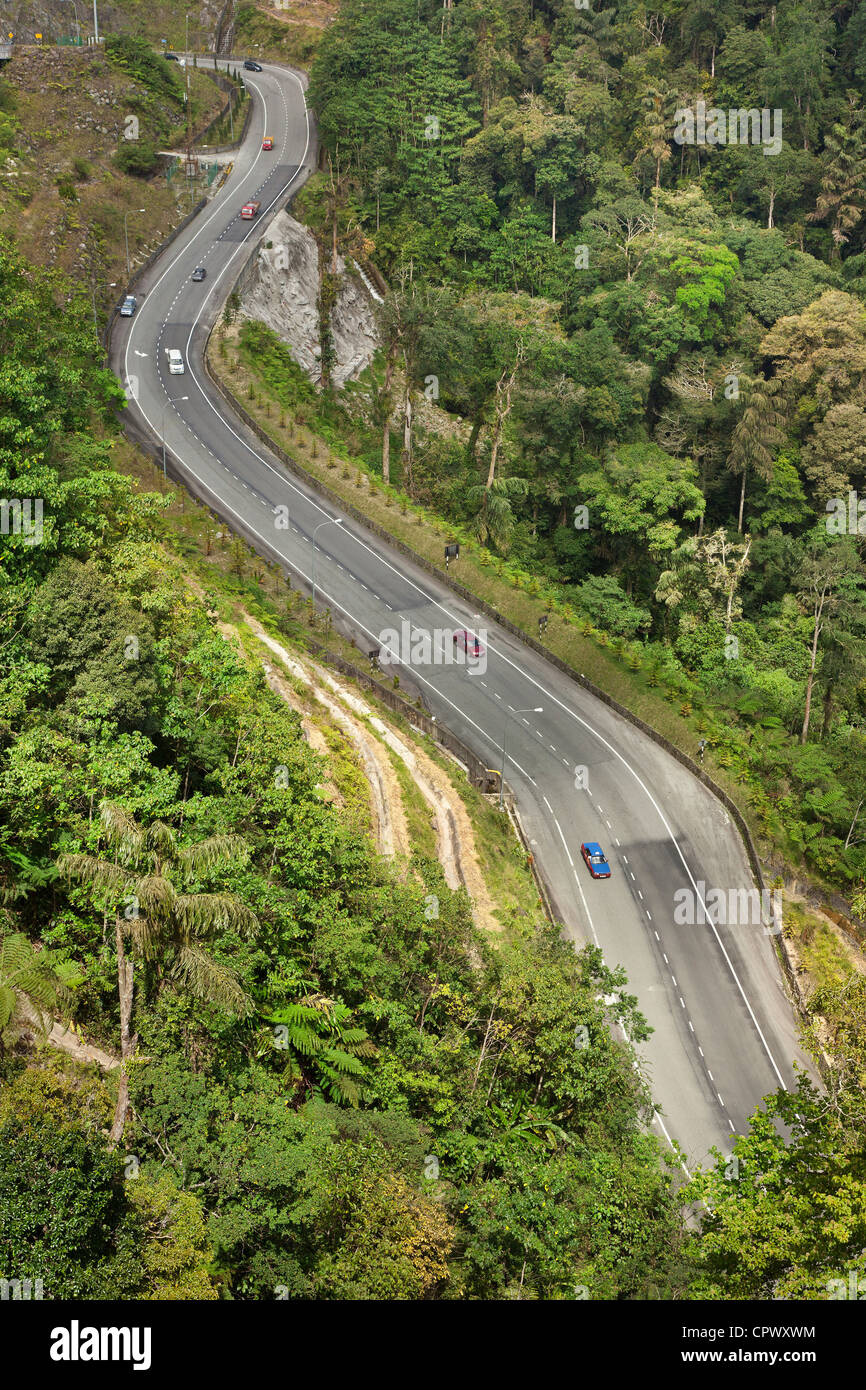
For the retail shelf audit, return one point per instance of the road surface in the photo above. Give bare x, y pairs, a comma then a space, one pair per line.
725, 1033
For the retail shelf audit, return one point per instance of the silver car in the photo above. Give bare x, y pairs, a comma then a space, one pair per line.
128, 307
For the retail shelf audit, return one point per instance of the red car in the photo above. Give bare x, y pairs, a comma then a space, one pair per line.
250, 209
268, 142
468, 642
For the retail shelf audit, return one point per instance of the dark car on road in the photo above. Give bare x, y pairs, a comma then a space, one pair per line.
128, 307
251, 66
172, 57
595, 860
199, 273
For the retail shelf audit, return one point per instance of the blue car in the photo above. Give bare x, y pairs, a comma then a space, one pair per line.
593, 855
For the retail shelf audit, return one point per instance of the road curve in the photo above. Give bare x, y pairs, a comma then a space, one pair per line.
724, 1034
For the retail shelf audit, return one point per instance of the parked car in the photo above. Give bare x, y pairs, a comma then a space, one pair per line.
593, 855
250, 209
199, 273
468, 642
175, 361
172, 57
268, 142
251, 66
128, 307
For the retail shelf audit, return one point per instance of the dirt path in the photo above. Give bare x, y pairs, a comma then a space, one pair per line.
390, 830
68, 1040
455, 837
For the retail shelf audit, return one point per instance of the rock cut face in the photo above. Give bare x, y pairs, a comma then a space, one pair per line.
281, 289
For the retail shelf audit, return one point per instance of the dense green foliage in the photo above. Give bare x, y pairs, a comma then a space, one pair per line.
68, 1218
670, 335
157, 101
332, 1092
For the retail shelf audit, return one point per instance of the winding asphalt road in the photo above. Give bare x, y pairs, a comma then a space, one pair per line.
724, 1030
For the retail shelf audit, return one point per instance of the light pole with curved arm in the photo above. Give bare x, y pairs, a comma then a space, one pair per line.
126, 234
171, 401
332, 521
77, 22
537, 709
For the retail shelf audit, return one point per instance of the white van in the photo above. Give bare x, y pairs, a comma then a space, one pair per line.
175, 361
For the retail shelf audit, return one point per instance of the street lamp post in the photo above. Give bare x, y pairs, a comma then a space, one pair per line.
172, 400
95, 25
537, 709
77, 23
126, 234
332, 521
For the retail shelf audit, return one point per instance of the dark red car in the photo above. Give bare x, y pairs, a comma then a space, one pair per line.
468, 642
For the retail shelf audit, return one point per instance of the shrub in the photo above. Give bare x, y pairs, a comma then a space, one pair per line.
137, 157
136, 57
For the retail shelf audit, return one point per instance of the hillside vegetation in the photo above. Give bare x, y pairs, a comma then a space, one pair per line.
652, 353
68, 174
329, 1087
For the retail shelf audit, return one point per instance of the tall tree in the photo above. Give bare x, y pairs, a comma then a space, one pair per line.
756, 434
138, 885
830, 593
842, 198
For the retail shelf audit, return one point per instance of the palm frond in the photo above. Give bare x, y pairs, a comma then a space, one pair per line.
8, 1001
161, 840
35, 976
146, 934
340, 1087
97, 874
210, 980
342, 1062
210, 853
16, 956
202, 914
156, 898
121, 830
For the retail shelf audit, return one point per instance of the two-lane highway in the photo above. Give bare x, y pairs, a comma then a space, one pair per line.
724, 1030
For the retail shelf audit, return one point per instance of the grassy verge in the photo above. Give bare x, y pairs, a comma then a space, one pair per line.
419, 816
822, 952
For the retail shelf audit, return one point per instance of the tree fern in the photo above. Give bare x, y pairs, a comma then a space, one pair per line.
321, 1046
34, 978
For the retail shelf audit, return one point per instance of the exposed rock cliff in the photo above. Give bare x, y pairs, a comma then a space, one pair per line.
281, 288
